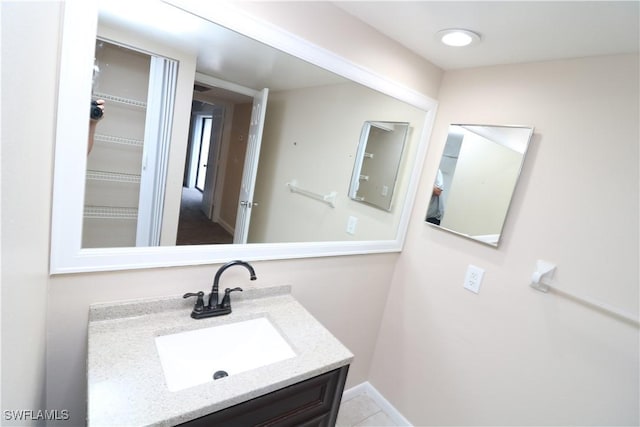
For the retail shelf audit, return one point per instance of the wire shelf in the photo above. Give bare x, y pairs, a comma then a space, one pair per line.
119, 99
112, 177
118, 140
109, 212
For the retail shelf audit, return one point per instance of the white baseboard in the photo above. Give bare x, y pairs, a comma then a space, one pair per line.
228, 228
369, 390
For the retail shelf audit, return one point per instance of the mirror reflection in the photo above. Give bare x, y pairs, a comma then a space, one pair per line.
476, 179
127, 147
377, 163
259, 120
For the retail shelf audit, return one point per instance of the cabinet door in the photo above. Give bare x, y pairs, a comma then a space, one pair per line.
311, 403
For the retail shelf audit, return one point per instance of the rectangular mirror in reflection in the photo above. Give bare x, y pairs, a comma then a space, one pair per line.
475, 182
378, 162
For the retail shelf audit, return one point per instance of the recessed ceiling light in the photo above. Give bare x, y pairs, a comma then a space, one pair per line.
458, 37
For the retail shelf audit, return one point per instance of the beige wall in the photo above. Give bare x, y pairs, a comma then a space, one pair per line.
36, 307
511, 355
28, 127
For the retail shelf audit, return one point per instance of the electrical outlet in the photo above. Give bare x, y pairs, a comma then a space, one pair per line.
351, 225
385, 190
473, 279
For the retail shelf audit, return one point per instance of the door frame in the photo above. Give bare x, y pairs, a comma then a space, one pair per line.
250, 167
233, 87
202, 128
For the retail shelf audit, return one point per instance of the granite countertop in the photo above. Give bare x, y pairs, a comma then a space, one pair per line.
125, 380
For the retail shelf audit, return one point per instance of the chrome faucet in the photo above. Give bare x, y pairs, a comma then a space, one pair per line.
201, 310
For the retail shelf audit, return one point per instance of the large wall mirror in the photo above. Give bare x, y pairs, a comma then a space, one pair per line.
209, 118
475, 182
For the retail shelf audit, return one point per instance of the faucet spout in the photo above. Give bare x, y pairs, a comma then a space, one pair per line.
213, 298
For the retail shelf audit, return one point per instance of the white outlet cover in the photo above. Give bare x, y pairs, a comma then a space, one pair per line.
473, 278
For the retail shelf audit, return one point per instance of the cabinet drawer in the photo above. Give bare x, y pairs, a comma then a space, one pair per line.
310, 403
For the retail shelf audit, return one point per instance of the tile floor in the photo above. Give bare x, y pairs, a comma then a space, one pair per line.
362, 411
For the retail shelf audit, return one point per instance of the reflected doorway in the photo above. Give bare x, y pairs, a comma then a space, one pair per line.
194, 228
214, 166
197, 224
203, 156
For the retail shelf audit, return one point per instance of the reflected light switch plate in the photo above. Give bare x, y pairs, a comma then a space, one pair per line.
351, 225
473, 278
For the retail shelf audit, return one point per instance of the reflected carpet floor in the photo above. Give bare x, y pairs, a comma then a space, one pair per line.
194, 228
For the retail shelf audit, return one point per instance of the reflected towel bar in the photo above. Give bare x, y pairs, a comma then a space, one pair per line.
329, 199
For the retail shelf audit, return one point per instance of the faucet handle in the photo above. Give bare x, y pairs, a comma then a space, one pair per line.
226, 300
199, 307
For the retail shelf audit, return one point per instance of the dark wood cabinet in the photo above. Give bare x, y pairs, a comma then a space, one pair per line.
311, 403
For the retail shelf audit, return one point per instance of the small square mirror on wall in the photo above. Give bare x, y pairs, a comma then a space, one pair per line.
476, 180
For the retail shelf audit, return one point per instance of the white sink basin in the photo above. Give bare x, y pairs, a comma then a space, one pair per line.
191, 358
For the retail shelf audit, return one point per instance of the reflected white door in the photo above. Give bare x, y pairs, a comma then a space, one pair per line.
163, 78
245, 202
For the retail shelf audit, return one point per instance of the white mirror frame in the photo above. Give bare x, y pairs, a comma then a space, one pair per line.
78, 45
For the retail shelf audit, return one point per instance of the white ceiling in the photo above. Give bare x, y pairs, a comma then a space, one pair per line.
511, 31
220, 52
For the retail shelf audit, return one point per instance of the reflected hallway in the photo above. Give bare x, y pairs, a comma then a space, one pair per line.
194, 228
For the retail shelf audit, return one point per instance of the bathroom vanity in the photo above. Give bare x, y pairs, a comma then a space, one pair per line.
279, 365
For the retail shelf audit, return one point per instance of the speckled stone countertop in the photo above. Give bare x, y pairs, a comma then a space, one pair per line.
125, 380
